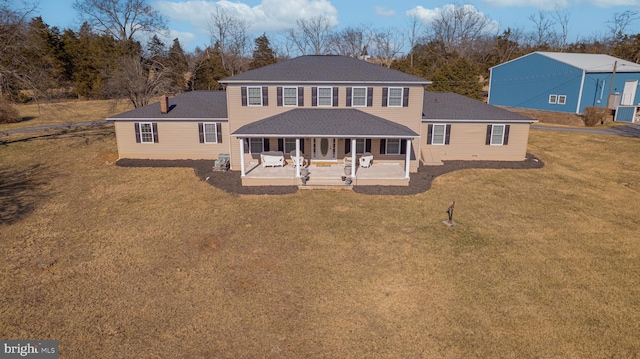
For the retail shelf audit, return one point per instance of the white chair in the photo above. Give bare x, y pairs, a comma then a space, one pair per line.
272, 159
297, 161
347, 159
365, 160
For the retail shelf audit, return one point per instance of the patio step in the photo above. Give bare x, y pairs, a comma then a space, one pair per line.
331, 187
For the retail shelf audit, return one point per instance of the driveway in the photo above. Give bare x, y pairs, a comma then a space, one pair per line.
631, 130
51, 127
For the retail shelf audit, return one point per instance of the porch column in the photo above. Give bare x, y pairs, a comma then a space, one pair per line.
353, 158
241, 156
407, 161
297, 156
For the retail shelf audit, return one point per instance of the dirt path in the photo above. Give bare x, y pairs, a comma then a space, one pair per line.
51, 127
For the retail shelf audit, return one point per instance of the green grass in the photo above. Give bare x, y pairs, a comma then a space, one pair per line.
153, 262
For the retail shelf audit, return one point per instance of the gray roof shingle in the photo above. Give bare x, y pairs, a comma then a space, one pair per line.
451, 106
324, 69
188, 105
325, 123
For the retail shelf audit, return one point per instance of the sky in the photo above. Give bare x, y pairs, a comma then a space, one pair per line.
188, 19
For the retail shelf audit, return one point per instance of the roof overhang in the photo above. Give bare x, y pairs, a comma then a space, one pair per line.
444, 120
160, 119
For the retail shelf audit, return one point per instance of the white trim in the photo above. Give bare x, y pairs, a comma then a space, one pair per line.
353, 158
242, 173
249, 96
476, 121
444, 134
407, 159
563, 101
215, 132
297, 156
153, 140
386, 146
584, 72
353, 91
502, 136
489, 89
330, 96
389, 96
284, 97
555, 99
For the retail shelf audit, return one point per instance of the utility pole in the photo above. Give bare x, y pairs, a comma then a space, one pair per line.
613, 76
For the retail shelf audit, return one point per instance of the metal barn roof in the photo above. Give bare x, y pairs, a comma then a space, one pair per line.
588, 62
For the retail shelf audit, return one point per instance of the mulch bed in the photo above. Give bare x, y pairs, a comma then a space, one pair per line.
230, 182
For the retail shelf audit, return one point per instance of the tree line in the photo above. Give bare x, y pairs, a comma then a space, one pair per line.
106, 59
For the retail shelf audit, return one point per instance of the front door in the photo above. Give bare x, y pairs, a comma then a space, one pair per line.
629, 93
324, 149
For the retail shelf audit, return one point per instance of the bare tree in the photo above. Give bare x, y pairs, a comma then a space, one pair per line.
351, 41
229, 32
414, 29
139, 80
543, 34
561, 18
620, 21
458, 27
311, 36
388, 45
121, 19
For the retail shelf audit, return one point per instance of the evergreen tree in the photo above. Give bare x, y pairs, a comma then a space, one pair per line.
156, 49
178, 65
263, 55
460, 77
208, 70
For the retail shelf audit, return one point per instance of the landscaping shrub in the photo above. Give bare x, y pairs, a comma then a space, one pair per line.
8, 113
595, 115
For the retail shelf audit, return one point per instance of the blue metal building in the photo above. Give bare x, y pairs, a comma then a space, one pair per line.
564, 82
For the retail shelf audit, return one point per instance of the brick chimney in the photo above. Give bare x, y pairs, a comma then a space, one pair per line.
164, 104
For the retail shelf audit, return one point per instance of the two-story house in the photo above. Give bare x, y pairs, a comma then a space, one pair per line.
331, 110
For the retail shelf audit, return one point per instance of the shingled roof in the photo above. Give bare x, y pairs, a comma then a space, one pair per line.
324, 69
449, 106
325, 123
188, 105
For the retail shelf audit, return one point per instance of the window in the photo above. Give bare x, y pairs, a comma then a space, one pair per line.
325, 95
393, 146
439, 134
562, 99
395, 97
209, 132
289, 145
360, 146
553, 99
497, 134
146, 132
255, 96
255, 145
290, 96
359, 97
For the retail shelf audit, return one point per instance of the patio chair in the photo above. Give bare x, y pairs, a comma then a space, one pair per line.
347, 159
297, 161
365, 160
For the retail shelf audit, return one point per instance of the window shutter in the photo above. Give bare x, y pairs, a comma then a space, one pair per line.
429, 134
137, 129
405, 97
246, 145
347, 145
265, 96
367, 145
369, 96
506, 135
403, 147
201, 132
280, 144
265, 144
349, 89
335, 97
385, 95
302, 145
243, 93
219, 132
488, 139
447, 136
155, 132
383, 146
314, 96
279, 95
300, 96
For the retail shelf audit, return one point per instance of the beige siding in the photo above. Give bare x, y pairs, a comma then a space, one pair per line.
410, 116
177, 140
467, 142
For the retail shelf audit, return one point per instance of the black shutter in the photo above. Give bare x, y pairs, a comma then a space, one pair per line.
302, 145
201, 132
385, 96
246, 146
219, 132
369, 96
367, 145
349, 89
265, 144
335, 97
300, 96
279, 90
280, 144
265, 96
347, 145
137, 129
447, 137
383, 146
243, 93
405, 97
506, 135
314, 96
403, 147
488, 138
155, 132
429, 134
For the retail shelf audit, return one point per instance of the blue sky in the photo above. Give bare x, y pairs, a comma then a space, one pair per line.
188, 18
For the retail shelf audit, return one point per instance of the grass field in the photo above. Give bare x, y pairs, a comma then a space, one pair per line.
154, 263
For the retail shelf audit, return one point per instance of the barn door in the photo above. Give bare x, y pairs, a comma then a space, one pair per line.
629, 93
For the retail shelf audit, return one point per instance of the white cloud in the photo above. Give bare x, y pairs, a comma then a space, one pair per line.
428, 15
550, 5
269, 15
383, 11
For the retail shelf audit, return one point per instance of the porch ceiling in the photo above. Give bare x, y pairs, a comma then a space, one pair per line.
348, 123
